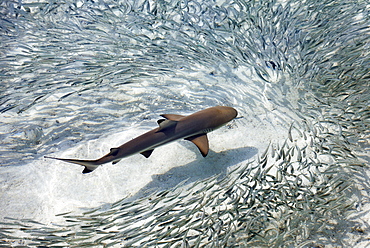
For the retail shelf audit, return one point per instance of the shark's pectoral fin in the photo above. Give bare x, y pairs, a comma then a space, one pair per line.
147, 153
165, 124
173, 117
201, 141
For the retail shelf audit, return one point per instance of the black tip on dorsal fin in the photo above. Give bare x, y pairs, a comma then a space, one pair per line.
160, 121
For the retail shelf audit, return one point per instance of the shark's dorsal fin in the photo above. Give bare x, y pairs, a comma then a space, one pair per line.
201, 141
164, 124
147, 153
173, 117
160, 121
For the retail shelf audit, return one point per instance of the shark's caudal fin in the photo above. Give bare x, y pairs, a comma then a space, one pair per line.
89, 165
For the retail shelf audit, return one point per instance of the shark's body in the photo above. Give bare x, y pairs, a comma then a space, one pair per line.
174, 127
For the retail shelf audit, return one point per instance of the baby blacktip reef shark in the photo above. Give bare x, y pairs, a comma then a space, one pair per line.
174, 127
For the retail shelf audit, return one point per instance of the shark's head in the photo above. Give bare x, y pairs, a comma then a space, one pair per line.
216, 117
226, 114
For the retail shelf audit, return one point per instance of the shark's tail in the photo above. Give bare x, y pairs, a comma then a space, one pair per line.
89, 165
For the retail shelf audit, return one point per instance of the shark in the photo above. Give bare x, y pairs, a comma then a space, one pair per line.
172, 127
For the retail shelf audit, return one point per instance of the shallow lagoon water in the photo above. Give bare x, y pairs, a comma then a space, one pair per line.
81, 77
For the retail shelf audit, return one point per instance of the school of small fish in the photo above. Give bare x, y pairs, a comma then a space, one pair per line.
296, 193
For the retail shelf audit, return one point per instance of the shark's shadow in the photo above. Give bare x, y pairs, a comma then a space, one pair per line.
201, 168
